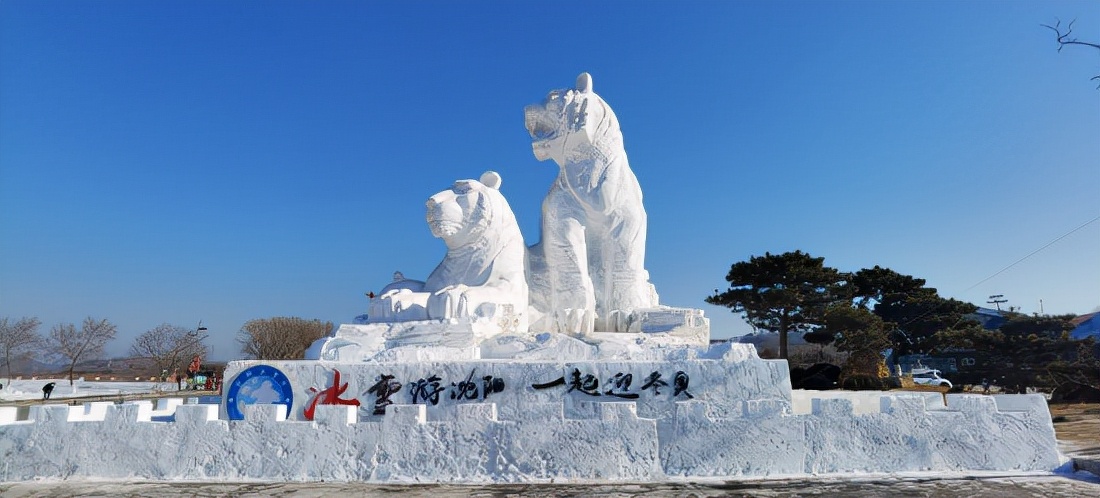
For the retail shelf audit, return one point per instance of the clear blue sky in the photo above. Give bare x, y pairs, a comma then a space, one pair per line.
223, 161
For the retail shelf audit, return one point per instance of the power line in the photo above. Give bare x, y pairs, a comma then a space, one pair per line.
1002, 270
1032, 253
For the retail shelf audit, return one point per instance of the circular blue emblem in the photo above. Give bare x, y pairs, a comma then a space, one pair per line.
258, 385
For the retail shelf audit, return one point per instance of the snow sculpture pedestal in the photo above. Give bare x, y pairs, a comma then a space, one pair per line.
729, 416
555, 407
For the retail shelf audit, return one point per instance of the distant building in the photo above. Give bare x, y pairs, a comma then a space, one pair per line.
1086, 326
990, 319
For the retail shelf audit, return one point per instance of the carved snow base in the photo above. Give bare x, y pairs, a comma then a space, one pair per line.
556, 436
661, 326
651, 333
422, 340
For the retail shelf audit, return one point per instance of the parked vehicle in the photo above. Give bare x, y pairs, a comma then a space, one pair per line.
930, 377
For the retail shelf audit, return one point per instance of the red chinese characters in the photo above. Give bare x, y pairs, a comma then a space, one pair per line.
329, 396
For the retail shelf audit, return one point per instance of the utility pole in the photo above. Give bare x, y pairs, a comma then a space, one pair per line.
997, 299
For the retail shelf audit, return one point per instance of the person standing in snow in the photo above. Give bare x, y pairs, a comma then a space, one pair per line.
47, 390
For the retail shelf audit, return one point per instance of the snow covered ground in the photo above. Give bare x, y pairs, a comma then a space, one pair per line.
32, 389
928, 484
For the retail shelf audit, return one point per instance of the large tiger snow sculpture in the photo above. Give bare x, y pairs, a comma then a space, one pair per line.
587, 273
481, 276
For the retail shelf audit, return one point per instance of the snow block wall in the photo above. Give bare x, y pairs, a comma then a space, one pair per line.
738, 421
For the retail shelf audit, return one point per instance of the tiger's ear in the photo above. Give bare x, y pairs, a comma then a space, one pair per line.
491, 179
584, 83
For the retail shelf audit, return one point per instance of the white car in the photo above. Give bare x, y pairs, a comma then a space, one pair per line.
930, 377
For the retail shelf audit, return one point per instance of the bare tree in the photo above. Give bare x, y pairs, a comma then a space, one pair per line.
19, 338
1067, 38
280, 338
170, 347
88, 342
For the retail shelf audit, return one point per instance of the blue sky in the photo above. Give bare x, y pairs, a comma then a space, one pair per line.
223, 161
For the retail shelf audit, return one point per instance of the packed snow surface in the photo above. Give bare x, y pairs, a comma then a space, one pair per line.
24, 389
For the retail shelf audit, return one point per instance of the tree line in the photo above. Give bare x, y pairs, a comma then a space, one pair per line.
170, 348
873, 310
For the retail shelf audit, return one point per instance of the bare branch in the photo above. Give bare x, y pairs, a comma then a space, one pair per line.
170, 347
88, 342
1064, 39
17, 339
1067, 38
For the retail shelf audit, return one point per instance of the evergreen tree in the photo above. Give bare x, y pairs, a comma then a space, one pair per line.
782, 293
